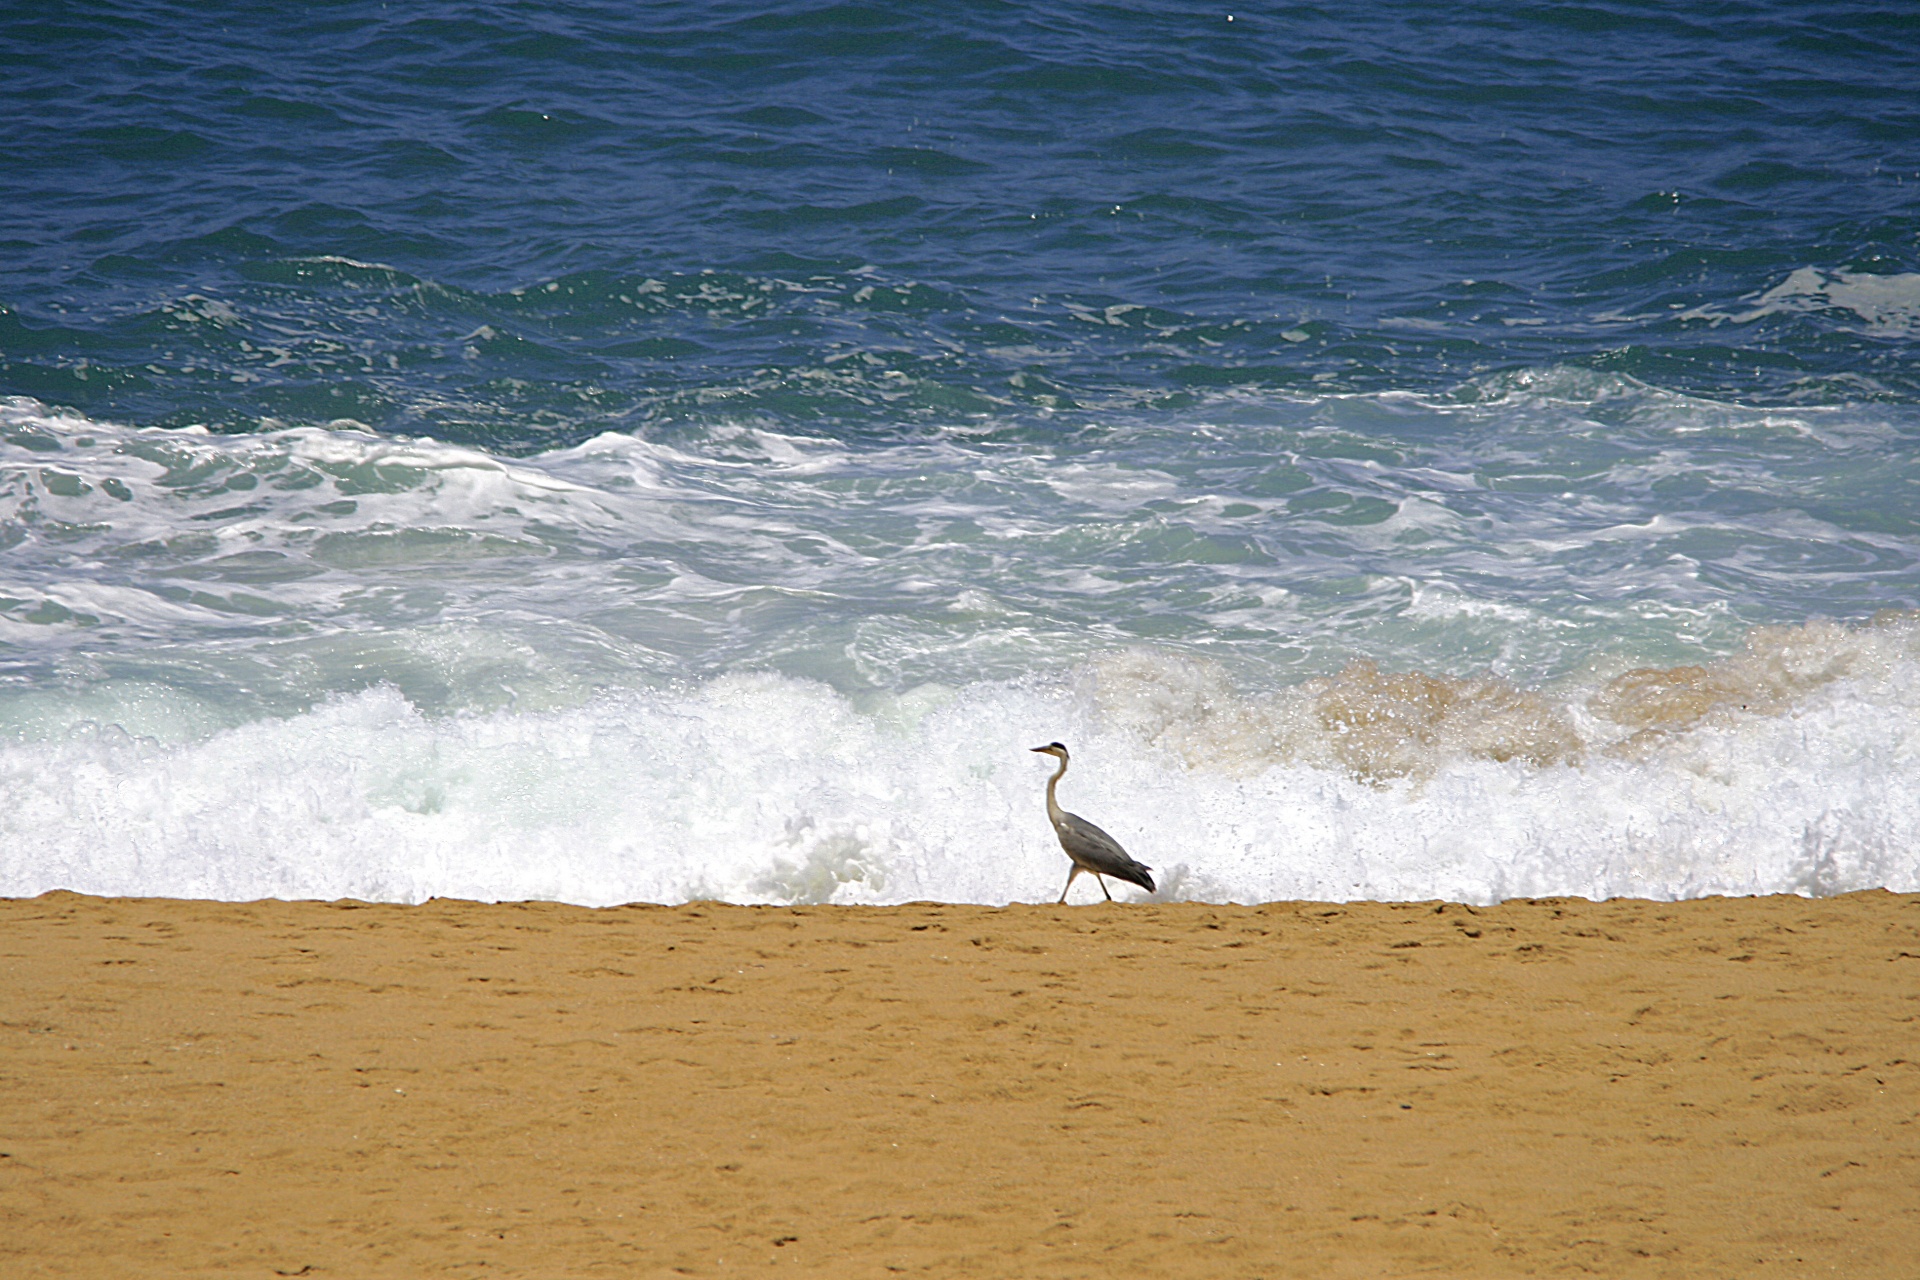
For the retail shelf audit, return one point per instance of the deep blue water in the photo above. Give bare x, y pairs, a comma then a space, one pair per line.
520, 224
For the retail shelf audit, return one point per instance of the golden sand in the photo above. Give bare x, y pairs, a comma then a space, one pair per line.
1720, 1088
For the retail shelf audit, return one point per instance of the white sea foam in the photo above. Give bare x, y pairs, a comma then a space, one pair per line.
1300, 657
1889, 304
1535, 506
1885, 305
770, 789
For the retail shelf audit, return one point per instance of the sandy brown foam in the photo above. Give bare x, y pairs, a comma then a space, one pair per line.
1379, 726
1713, 1088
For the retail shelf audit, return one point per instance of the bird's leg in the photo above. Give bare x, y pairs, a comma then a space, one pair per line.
1103, 885
1063, 893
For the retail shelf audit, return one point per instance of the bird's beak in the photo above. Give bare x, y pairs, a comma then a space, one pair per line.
1042, 750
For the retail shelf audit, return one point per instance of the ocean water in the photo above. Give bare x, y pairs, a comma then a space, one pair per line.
608, 453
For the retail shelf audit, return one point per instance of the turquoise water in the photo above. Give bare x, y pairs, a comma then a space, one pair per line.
613, 452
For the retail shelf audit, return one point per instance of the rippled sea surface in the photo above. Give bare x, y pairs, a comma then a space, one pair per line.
609, 452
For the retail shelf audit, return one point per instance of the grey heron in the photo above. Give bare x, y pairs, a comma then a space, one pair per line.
1090, 848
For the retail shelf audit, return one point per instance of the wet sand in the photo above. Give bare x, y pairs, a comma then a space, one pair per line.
1720, 1088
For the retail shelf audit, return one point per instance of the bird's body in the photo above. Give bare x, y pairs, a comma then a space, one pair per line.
1090, 848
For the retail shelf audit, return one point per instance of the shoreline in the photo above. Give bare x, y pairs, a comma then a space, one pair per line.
1711, 1086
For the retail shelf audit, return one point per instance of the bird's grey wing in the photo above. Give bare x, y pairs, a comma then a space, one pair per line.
1097, 851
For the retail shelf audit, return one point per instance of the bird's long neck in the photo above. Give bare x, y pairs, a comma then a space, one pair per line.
1054, 811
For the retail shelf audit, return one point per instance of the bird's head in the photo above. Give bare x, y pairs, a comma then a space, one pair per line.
1058, 750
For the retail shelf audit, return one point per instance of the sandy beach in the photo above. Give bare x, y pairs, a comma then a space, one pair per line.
1723, 1087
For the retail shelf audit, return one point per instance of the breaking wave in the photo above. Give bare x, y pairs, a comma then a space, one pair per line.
1790, 767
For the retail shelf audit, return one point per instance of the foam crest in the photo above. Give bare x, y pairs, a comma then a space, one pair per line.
1370, 724
770, 789
1776, 668
1378, 726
